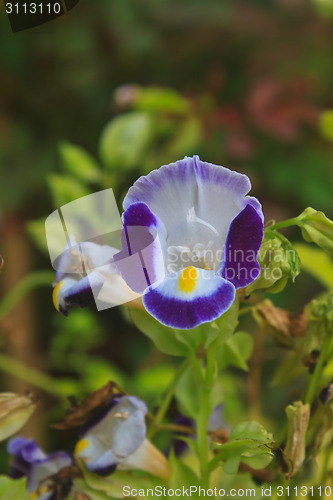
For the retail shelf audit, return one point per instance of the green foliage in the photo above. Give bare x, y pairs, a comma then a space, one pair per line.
65, 189
79, 163
249, 443
236, 351
326, 119
317, 263
12, 489
125, 140
182, 474
160, 100
278, 261
163, 337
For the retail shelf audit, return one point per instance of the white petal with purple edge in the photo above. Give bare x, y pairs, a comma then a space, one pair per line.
215, 193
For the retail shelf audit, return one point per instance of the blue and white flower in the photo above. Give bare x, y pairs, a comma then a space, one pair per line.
86, 271
190, 239
39, 468
208, 232
118, 440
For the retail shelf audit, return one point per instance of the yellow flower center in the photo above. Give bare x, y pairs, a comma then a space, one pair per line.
187, 279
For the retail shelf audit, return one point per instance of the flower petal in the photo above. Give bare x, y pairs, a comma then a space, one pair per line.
40, 471
215, 192
141, 260
149, 459
188, 298
79, 258
118, 434
243, 242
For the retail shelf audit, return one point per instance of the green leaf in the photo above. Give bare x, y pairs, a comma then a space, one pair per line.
65, 189
236, 351
248, 441
13, 489
125, 139
227, 323
181, 474
81, 487
159, 99
326, 119
163, 337
187, 393
112, 486
79, 163
186, 140
317, 263
152, 381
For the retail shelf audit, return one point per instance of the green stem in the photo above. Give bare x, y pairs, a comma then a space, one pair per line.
202, 436
167, 398
286, 223
202, 421
28, 283
324, 354
196, 367
31, 376
173, 428
326, 464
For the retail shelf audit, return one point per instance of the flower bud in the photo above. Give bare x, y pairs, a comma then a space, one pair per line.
278, 261
298, 419
15, 410
317, 228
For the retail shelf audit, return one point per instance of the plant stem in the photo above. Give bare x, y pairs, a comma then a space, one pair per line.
167, 399
326, 464
324, 354
202, 435
173, 428
31, 376
202, 421
29, 282
286, 223
196, 366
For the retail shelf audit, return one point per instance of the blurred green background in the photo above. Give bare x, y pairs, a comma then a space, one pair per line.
241, 83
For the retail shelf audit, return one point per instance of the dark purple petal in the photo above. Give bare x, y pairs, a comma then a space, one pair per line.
243, 242
140, 260
180, 313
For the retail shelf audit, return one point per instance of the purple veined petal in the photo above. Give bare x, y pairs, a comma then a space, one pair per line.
141, 259
188, 298
243, 242
215, 193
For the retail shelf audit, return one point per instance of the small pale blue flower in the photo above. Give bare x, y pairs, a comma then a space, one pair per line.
39, 468
118, 440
